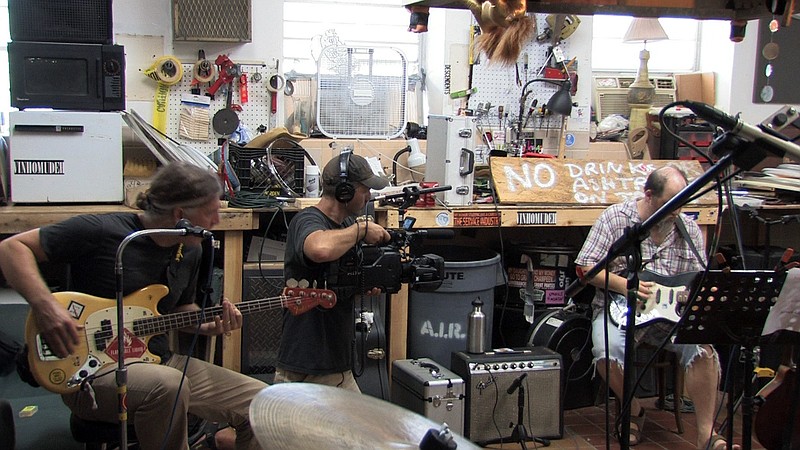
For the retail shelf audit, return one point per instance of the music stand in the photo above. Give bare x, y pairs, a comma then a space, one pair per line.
731, 307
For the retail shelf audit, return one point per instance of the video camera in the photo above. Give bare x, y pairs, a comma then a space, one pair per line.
387, 267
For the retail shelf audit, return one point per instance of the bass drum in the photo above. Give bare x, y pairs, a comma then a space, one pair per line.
569, 334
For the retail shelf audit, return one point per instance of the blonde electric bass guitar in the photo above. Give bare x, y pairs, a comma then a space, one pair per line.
98, 317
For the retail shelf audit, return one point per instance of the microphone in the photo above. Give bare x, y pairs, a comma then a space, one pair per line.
191, 230
516, 383
760, 135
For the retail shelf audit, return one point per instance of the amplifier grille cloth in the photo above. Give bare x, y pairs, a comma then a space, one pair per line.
542, 415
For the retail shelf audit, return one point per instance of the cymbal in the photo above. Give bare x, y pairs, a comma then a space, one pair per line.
305, 415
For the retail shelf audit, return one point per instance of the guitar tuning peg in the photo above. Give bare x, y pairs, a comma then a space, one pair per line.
315, 284
291, 283
303, 283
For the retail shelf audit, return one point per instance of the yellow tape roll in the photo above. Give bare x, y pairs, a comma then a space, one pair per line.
166, 69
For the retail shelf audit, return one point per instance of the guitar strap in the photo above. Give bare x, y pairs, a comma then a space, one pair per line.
685, 235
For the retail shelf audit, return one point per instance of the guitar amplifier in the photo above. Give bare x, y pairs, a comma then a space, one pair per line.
489, 377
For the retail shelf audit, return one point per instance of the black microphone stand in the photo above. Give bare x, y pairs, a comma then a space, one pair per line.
520, 433
122, 371
733, 149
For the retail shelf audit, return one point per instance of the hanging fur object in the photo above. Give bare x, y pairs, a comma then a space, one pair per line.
505, 28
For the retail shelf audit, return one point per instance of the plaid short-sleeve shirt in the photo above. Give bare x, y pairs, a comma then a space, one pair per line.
671, 257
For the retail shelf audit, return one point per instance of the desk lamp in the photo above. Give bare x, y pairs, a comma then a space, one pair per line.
560, 102
642, 91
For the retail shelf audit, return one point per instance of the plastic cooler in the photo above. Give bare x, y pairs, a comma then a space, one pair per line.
437, 321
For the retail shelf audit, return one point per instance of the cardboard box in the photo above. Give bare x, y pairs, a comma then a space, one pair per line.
270, 250
608, 150
696, 87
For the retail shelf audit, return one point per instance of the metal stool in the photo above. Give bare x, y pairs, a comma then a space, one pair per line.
667, 360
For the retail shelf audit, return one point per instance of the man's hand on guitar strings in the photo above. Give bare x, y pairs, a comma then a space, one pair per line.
60, 330
231, 319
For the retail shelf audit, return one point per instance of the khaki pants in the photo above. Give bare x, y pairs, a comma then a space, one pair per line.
210, 392
344, 380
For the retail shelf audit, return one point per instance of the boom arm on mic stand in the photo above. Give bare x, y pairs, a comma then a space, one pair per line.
762, 137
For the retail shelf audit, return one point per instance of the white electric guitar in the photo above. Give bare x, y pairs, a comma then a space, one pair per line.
665, 304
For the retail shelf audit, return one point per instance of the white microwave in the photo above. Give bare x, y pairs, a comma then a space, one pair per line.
65, 157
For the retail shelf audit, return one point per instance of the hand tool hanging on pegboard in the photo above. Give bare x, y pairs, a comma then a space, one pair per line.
227, 73
274, 85
167, 71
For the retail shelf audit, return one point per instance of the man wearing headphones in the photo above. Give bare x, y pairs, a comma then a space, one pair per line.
316, 347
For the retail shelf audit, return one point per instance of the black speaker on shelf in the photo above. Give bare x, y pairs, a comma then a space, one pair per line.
261, 331
73, 21
489, 407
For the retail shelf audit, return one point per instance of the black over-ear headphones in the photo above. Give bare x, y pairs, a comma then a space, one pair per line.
345, 191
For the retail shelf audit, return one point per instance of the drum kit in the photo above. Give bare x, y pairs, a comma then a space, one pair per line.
305, 415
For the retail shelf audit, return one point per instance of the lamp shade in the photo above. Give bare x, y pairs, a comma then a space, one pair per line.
561, 101
645, 30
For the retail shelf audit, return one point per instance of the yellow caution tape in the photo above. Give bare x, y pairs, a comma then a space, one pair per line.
167, 71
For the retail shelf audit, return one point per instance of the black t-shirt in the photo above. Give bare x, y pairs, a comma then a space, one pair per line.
89, 243
318, 342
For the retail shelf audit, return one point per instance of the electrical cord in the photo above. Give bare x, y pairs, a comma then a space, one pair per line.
664, 127
206, 301
264, 239
253, 200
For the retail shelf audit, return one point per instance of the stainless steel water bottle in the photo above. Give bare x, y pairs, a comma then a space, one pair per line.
476, 328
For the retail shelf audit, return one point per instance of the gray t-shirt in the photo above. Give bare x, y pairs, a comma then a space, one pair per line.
318, 342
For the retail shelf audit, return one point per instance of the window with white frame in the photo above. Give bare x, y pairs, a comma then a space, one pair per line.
310, 25
677, 54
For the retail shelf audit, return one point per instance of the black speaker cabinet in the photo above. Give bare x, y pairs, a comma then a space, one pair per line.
73, 21
261, 331
570, 335
490, 406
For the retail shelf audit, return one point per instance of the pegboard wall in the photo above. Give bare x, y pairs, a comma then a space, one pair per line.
254, 113
498, 84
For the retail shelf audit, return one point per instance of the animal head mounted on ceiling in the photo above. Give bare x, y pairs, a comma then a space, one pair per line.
505, 28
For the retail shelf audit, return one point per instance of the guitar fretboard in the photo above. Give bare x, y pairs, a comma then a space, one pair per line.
162, 324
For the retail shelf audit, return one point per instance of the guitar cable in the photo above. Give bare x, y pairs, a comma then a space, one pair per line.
206, 291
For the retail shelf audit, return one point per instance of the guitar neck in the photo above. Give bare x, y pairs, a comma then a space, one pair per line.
162, 324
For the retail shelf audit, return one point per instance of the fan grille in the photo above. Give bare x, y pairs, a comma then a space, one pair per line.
362, 92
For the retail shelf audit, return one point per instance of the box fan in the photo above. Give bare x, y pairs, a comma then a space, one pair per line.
361, 92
